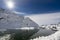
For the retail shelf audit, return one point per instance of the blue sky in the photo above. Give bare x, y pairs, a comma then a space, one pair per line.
34, 6
46, 11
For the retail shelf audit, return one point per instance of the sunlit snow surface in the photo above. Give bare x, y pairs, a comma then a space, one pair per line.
26, 28
55, 36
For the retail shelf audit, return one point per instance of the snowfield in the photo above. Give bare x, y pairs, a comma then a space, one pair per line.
55, 36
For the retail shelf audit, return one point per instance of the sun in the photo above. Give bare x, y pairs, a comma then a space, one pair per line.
10, 4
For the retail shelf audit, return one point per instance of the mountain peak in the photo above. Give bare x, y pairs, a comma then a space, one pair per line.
9, 19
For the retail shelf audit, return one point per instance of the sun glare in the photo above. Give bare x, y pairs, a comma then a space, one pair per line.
10, 4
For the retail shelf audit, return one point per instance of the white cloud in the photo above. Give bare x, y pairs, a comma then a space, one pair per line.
46, 18
18, 12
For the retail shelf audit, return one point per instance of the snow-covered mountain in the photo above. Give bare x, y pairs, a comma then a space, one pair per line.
27, 22
45, 33
48, 32
9, 19
53, 27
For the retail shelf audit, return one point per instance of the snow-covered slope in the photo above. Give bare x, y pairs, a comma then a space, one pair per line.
9, 19
55, 36
43, 32
46, 30
27, 22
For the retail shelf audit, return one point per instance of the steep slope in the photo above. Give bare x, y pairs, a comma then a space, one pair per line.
47, 30
54, 36
9, 19
43, 32
27, 22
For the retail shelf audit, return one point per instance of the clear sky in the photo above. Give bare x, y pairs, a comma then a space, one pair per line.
31, 6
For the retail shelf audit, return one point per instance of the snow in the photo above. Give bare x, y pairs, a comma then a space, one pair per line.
27, 22
51, 26
52, 35
27, 28
9, 19
55, 36
5, 37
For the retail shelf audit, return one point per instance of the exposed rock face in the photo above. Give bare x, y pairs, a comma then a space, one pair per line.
12, 20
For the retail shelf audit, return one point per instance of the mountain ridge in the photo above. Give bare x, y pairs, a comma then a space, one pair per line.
12, 20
